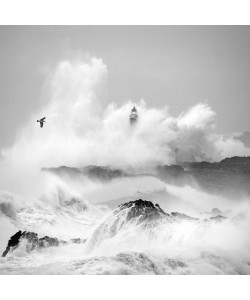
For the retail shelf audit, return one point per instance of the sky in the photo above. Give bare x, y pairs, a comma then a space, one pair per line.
177, 66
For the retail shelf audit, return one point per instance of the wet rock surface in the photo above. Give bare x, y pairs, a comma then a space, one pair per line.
141, 212
13, 242
143, 208
34, 242
148, 211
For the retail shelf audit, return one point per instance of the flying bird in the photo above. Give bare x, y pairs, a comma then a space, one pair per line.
41, 121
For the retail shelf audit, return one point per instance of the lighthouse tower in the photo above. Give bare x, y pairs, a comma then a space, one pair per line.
133, 116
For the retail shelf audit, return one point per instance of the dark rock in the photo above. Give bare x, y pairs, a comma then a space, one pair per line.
229, 177
34, 242
48, 242
143, 208
13, 242
94, 172
103, 173
140, 211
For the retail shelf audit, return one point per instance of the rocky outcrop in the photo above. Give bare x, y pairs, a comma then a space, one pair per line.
34, 242
141, 208
103, 173
13, 242
93, 172
230, 176
141, 213
148, 211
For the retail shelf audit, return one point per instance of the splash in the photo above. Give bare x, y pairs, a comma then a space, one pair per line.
81, 131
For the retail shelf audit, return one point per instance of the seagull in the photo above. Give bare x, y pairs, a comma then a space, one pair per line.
41, 121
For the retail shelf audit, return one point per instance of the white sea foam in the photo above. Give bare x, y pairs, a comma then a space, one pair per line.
80, 131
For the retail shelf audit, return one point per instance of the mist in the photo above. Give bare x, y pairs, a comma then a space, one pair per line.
81, 130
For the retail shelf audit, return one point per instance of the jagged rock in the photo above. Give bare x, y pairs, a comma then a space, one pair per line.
48, 242
145, 215
33, 241
143, 208
13, 242
140, 212
148, 211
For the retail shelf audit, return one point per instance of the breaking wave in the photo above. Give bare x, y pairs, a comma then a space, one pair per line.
107, 165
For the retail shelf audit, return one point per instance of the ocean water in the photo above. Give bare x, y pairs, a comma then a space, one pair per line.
118, 244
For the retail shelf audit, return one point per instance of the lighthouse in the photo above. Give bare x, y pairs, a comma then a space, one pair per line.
133, 116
